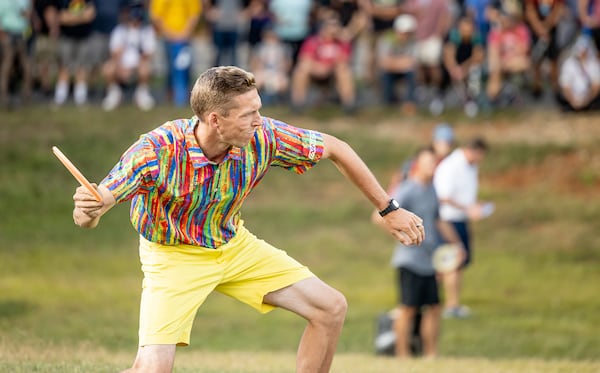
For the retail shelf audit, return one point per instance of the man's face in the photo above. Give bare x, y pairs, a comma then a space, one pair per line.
330, 29
465, 28
475, 156
238, 127
426, 163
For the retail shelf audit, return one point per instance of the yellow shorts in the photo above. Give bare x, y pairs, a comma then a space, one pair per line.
177, 280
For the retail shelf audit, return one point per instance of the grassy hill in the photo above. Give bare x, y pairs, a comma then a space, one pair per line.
69, 297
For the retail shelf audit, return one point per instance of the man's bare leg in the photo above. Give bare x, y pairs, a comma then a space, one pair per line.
153, 359
345, 84
452, 282
300, 83
325, 310
430, 330
402, 328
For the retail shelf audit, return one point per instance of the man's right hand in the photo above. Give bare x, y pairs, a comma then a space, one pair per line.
88, 210
405, 226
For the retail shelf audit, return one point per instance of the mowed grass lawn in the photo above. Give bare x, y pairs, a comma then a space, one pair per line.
69, 297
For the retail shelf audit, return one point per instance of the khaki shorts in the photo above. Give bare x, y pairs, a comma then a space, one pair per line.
76, 54
429, 51
45, 50
177, 280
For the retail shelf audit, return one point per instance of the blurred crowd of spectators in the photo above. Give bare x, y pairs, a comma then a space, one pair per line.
412, 54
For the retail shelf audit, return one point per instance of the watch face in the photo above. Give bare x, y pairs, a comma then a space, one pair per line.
395, 203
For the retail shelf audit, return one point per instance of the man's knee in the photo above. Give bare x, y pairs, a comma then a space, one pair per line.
336, 308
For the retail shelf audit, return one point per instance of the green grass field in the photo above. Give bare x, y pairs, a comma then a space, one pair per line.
69, 297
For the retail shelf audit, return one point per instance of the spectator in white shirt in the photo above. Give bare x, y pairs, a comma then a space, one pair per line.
579, 78
456, 184
132, 45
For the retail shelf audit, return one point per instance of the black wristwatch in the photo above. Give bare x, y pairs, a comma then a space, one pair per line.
393, 205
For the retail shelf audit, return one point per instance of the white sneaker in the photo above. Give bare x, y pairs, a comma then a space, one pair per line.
80, 94
113, 98
459, 312
61, 93
436, 107
143, 98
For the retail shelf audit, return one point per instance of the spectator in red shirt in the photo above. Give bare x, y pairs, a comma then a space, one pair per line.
323, 57
508, 50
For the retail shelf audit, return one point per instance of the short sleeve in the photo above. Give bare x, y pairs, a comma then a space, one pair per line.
296, 149
454, 36
345, 51
477, 39
493, 38
442, 181
400, 194
117, 39
383, 47
308, 48
148, 40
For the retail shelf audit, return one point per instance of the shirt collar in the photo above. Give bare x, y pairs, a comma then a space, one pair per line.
193, 148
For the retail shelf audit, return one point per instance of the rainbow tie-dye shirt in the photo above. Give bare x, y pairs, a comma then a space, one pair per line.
179, 197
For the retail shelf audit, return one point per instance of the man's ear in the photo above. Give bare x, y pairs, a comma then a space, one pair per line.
213, 119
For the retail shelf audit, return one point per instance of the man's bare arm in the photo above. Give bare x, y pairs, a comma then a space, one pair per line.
404, 225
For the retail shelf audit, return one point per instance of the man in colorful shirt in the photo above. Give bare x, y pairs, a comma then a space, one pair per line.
187, 180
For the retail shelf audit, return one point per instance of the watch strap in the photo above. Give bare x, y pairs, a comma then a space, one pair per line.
393, 205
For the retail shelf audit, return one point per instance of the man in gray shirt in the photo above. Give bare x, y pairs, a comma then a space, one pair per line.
417, 285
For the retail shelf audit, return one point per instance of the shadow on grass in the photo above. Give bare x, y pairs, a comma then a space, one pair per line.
10, 309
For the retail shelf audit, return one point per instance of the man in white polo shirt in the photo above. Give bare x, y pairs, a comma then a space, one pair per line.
456, 184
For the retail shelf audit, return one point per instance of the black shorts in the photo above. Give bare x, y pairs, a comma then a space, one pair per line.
416, 290
552, 52
464, 233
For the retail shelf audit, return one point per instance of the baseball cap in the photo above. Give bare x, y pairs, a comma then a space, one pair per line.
443, 132
405, 23
581, 44
136, 11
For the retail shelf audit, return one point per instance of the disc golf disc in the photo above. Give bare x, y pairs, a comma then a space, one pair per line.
446, 258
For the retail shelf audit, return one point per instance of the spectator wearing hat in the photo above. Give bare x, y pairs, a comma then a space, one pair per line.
132, 45
579, 79
442, 143
396, 61
381, 15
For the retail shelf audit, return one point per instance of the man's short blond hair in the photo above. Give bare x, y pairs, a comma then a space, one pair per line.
215, 89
